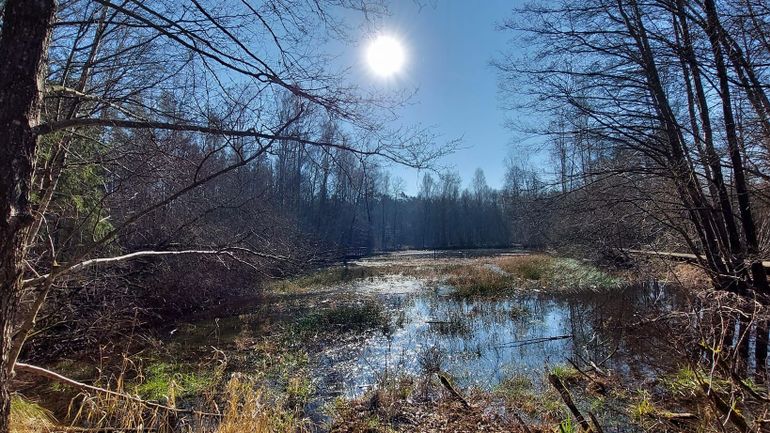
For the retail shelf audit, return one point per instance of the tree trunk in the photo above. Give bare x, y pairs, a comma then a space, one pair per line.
23, 44
761, 350
758, 273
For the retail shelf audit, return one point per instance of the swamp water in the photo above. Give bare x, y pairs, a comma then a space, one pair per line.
481, 342
478, 342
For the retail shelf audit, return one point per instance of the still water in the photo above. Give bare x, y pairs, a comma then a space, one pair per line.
480, 342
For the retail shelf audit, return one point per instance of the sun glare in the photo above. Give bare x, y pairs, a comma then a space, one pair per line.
385, 56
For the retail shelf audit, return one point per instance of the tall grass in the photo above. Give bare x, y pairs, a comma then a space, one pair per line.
250, 408
471, 280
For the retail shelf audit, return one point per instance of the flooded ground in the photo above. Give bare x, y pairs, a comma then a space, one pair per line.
430, 341
481, 342
404, 314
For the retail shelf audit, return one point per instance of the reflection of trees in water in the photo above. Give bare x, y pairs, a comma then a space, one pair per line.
626, 330
616, 327
652, 328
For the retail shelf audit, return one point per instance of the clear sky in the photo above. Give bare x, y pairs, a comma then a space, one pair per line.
449, 47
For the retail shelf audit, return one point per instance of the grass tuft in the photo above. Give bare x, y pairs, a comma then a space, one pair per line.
29, 417
566, 373
342, 318
163, 380
249, 408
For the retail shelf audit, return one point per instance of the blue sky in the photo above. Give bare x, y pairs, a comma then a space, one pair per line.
449, 47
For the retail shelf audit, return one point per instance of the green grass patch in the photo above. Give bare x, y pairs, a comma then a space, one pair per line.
557, 273
533, 271
574, 274
642, 408
163, 380
341, 318
566, 373
520, 392
685, 382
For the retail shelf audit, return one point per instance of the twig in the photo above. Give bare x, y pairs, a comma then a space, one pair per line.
595, 422
523, 424
567, 398
537, 340
444, 381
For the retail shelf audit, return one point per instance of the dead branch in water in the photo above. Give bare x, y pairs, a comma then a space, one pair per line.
536, 340
567, 398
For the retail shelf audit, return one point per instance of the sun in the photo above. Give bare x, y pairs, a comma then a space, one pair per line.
385, 56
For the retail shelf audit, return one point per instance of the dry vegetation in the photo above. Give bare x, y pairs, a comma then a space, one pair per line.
259, 380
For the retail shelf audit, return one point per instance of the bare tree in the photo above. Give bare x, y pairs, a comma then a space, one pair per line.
101, 73
641, 81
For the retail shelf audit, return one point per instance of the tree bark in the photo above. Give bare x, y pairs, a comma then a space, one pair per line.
758, 273
761, 351
23, 43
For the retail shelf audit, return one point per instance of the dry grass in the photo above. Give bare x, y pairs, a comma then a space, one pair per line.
249, 408
409, 405
479, 280
533, 267
501, 275
688, 276
29, 417
244, 404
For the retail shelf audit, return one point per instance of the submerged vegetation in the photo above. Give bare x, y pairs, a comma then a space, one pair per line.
323, 278
342, 318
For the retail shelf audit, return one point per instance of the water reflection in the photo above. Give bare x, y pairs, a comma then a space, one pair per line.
480, 342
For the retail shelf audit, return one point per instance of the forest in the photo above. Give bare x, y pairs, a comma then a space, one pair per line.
204, 228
